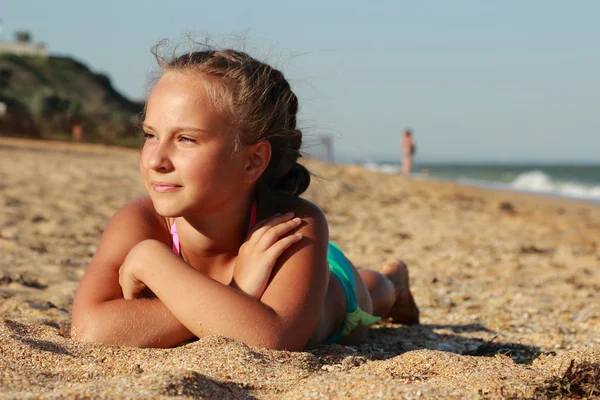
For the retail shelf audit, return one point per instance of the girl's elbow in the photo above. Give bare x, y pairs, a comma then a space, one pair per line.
282, 336
281, 341
85, 332
276, 345
92, 333
86, 329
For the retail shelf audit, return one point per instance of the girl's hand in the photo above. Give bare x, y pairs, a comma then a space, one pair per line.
259, 253
129, 274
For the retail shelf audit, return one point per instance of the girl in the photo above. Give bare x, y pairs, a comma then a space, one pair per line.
220, 153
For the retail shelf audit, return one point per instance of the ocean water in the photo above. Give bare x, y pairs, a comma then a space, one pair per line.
571, 181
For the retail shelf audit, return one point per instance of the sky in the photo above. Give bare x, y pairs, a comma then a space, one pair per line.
476, 81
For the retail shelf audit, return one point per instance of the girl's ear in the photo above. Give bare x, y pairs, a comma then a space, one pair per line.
259, 156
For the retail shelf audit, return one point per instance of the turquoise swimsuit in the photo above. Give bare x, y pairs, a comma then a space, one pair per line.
340, 267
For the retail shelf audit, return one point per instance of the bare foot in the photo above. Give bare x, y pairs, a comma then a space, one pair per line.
404, 310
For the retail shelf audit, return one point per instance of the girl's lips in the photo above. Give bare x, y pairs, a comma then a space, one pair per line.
165, 187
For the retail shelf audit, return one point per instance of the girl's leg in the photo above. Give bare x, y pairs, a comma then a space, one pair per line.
390, 292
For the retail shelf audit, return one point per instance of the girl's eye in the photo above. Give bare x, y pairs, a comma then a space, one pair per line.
186, 139
148, 135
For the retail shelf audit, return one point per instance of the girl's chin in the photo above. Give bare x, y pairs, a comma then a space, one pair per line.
168, 214
167, 211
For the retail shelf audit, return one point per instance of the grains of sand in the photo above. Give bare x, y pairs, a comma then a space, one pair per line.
508, 285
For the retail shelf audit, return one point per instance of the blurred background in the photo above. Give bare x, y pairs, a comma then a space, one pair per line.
497, 94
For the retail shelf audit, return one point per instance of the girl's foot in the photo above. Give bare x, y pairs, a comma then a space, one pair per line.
404, 310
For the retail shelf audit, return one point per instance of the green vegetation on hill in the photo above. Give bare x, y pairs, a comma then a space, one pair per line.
46, 96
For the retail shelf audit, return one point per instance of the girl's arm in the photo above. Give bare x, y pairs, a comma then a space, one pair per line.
285, 316
100, 314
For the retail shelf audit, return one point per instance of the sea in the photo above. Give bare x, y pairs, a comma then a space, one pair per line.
569, 181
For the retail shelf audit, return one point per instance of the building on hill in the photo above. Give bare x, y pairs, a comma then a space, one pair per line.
22, 45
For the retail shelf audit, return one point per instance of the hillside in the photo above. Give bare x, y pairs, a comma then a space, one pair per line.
46, 96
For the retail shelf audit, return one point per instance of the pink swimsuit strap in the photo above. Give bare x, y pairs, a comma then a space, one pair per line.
175, 237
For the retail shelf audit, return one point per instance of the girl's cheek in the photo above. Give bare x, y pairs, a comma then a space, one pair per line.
144, 159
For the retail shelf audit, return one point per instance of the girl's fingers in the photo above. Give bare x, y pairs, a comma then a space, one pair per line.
282, 245
127, 295
274, 233
127, 292
262, 223
133, 291
263, 226
130, 288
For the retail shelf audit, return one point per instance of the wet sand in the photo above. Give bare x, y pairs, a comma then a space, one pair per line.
508, 285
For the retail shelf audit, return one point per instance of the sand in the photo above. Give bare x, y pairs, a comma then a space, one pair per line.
508, 285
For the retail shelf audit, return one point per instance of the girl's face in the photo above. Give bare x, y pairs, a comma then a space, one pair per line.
187, 162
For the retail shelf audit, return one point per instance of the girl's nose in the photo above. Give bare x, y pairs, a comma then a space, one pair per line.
159, 160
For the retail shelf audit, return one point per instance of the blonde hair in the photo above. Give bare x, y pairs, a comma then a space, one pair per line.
259, 101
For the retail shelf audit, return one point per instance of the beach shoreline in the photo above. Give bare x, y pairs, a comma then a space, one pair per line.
57, 145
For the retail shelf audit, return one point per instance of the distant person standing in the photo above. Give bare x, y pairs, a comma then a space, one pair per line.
408, 150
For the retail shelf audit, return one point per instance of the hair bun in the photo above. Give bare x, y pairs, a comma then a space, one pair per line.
294, 182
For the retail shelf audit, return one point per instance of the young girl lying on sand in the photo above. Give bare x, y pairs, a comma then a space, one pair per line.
190, 260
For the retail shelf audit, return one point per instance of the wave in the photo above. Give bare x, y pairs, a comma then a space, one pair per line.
539, 182
532, 181
384, 168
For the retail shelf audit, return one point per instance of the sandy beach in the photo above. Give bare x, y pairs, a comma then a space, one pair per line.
508, 285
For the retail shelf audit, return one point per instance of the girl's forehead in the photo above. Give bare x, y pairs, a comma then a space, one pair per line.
182, 99
181, 81
176, 89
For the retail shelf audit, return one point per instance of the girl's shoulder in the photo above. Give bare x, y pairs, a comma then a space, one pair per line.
309, 212
268, 206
